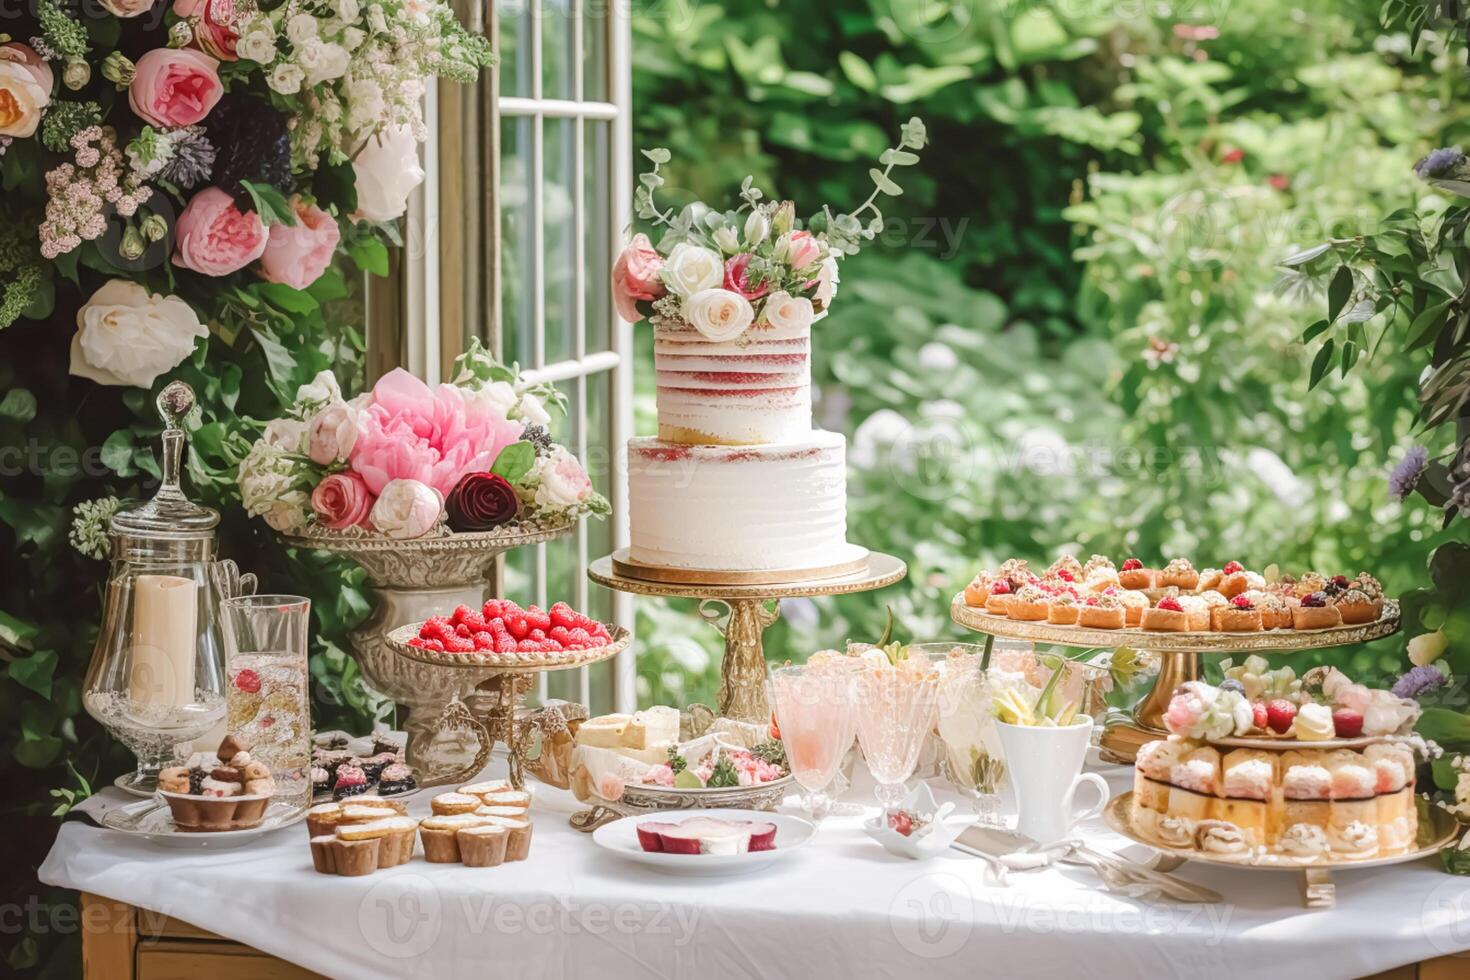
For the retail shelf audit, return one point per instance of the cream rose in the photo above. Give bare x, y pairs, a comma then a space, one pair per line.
827, 280
332, 433
499, 395
406, 509
531, 409
23, 98
322, 388
692, 268
786, 312
561, 481
387, 170
129, 336
718, 314
287, 435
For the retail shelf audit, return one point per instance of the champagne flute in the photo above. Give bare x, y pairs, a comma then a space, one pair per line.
895, 712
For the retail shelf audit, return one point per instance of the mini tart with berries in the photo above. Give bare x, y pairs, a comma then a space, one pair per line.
1179, 574
1063, 609
1134, 604
1000, 597
978, 590
1067, 568
1275, 614
1016, 573
1210, 579
1198, 609
1102, 611
1241, 616
1167, 617
1310, 582
1099, 575
1355, 607
1028, 605
1315, 613
1234, 580
1133, 575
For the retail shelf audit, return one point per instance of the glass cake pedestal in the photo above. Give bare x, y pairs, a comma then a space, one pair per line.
749, 609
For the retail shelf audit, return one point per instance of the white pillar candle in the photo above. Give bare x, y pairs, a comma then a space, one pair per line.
165, 617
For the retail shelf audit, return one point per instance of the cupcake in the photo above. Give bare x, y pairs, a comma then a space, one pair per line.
1315, 613
440, 836
1133, 575
1062, 610
1355, 607
1028, 605
1167, 617
488, 786
1180, 574
1241, 616
322, 819
485, 845
508, 797
395, 836
1101, 611
518, 845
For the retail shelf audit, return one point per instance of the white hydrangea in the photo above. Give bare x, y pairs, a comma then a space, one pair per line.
269, 480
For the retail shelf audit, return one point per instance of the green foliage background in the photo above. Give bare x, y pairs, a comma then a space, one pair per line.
1104, 185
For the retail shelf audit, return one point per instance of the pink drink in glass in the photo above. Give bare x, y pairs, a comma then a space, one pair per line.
814, 712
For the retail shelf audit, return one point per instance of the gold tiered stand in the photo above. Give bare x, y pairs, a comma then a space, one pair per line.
1181, 657
749, 609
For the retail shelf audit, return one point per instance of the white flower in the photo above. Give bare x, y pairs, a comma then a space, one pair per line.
376, 19
406, 509
286, 78
347, 10
322, 388
387, 170
718, 314
726, 238
301, 28
22, 99
129, 336
786, 312
287, 435
827, 280
561, 481
533, 411
690, 268
332, 433
269, 481
500, 395
352, 38
258, 46
323, 61
757, 227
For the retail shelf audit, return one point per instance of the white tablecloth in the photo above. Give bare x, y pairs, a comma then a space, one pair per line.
838, 907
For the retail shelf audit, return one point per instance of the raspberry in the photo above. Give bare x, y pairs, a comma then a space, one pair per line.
484, 640
416, 642
1002, 587
1315, 600
538, 619
1279, 715
461, 613
1170, 603
1241, 602
563, 615
537, 636
1131, 564
463, 630
459, 645
436, 626
436, 645
248, 681
1232, 567
518, 627
1062, 574
560, 634
494, 608
1260, 717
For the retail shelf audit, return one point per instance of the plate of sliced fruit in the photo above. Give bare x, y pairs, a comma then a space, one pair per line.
705, 842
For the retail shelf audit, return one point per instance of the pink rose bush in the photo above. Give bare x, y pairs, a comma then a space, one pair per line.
297, 255
214, 238
753, 267
389, 461
174, 87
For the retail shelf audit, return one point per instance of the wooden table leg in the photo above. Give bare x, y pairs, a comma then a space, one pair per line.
109, 939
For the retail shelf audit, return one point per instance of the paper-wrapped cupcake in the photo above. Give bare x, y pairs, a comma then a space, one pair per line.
225, 790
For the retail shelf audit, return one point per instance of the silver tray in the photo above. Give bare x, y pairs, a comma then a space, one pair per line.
642, 800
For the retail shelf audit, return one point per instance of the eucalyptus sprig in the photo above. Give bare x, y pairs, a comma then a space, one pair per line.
844, 231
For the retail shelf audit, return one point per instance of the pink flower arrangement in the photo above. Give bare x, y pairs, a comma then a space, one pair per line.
341, 501
216, 25
174, 87
635, 277
409, 431
298, 254
738, 281
214, 238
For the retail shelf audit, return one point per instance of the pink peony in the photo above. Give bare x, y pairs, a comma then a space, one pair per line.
297, 255
635, 277
216, 25
331, 434
214, 238
175, 87
737, 281
406, 509
341, 501
802, 250
409, 431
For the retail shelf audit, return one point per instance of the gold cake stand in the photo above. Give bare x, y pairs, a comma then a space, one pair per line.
749, 610
492, 711
1181, 657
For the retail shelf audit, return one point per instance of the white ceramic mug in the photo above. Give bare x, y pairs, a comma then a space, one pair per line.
1045, 767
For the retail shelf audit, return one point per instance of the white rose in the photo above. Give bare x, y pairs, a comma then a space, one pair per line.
257, 46
288, 514
322, 388
377, 20
406, 509
499, 395
352, 38
726, 238
827, 280
301, 28
22, 99
129, 336
287, 435
691, 268
286, 78
786, 312
268, 480
331, 434
561, 481
323, 61
387, 171
348, 10
757, 227
718, 314
533, 411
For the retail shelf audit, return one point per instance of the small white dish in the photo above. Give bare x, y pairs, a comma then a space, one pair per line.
935, 837
621, 838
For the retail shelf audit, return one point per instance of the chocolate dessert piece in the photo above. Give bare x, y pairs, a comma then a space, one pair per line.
386, 743
232, 746
396, 778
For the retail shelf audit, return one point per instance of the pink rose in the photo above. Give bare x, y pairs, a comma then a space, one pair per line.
214, 238
406, 509
24, 54
737, 281
409, 431
341, 501
216, 25
331, 434
175, 87
297, 255
610, 786
635, 277
802, 250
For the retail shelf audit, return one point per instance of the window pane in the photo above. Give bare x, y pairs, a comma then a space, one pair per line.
516, 228
560, 269
557, 49
515, 46
597, 191
596, 22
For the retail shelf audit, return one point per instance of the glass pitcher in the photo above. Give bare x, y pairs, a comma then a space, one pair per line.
156, 680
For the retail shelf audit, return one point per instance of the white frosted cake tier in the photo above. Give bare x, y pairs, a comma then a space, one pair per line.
739, 508
753, 390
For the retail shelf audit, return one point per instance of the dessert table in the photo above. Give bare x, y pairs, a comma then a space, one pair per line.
838, 906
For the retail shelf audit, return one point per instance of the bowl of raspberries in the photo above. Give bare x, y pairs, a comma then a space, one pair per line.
502, 634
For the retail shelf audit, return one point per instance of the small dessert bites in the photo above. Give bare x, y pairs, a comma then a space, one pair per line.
1101, 611
1306, 790
1241, 616
1315, 613
1180, 574
1355, 607
1062, 611
1194, 780
1133, 575
446, 804
1099, 575
483, 845
1028, 605
999, 599
1134, 605
1168, 616
978, 591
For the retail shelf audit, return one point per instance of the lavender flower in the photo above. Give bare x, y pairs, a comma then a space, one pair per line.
193, 158
1405, 475
1439, 163
1418, 682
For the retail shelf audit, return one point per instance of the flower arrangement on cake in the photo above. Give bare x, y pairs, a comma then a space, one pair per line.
722, 272
406, 460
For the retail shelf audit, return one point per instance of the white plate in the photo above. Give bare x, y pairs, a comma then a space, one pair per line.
152, 821
621, 838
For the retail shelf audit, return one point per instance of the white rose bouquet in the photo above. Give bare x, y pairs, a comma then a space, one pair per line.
722, 272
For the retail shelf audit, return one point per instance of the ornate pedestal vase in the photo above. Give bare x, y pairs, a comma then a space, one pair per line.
411, 581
